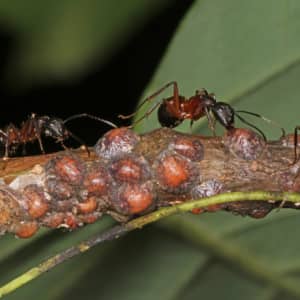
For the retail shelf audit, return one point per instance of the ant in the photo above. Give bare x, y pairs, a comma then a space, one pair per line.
174, 110
37, 126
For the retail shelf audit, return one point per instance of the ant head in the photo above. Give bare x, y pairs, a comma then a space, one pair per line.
207, 99
55, 128
224, 113
204, 93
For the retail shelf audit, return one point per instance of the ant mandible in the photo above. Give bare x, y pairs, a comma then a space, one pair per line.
37, 126
174, 110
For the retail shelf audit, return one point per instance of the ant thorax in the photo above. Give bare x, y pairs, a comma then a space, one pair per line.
193, 108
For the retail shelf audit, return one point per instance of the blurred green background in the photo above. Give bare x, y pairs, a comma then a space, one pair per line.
108, 54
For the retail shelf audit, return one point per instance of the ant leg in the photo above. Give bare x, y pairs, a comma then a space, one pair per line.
283, 133
211, 121
295, 144
176, 96
295, 157
85, 115
148, 113
149, 98
40, 143
61, 141
6, 156
191, 125
4, 141
6, 152
37, 131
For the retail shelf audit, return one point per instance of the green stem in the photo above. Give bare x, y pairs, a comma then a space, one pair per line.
120, 230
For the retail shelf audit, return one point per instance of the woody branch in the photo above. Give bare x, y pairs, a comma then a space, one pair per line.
128, 175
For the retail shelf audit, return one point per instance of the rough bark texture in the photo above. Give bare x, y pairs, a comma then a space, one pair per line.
129, 175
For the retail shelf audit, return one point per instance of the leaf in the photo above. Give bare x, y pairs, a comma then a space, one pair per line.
64, 38
28, 253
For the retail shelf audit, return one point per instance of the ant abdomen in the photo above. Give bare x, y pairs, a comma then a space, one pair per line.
165, 117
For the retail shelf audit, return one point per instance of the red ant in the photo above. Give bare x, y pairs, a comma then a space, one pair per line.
174, 110
37, 126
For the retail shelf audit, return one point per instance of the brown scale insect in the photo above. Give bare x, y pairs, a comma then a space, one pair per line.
175, 173
188, 147
26, 229
97, 180
134, 198
37, 204
244, 143
37, 126
116, 142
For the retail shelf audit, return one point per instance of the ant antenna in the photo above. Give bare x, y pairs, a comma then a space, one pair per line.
251, 125
85, 115
265, 119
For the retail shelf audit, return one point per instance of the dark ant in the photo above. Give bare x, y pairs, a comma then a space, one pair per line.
37, 126
174, 110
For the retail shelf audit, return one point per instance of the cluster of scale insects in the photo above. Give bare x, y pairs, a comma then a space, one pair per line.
122, 182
